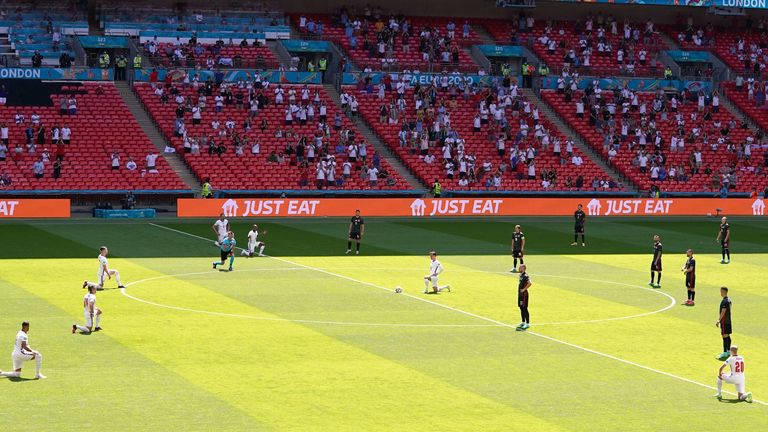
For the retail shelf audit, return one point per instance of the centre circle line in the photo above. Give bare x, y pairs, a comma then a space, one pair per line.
352, 323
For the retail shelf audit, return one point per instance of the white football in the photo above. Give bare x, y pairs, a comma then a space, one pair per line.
398, 289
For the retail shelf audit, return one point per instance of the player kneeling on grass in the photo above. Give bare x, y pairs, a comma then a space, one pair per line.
90, 311
104, 272
736, 363
23, 352
254, 243
227, 247
435, 268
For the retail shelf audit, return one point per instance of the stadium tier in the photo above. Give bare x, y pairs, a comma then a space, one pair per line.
588, 47
751, 102
739, 48
284, 157
102, 126
411, 133
232, 53
396, 43
699, 151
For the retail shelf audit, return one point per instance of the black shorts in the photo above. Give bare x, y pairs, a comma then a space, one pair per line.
578, 229
725, 328
522, 302
517, 254
656, 267
354, 235
690, 282
225, 255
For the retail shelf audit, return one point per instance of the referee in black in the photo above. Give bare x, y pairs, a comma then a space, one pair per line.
579, 218
522, 299
690, 277
724, 322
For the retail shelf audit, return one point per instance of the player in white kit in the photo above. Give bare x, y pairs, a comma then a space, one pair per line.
254, 243
435, 268
23, 352
104, 272
221, 228
90, 311
736, 363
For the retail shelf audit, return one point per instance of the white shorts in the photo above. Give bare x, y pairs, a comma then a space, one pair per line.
432, 279
737, 380
252, 246
88, 319
19, 359
222, 237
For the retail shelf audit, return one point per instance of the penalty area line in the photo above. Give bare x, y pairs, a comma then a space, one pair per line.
488, 319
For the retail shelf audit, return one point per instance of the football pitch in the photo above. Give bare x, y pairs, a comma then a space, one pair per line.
311, 339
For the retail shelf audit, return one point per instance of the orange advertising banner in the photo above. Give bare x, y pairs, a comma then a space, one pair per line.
34, 208
409, 207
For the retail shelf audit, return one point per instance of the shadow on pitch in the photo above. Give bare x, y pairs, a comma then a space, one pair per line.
20, 379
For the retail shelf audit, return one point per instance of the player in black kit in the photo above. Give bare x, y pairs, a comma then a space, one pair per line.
656, 263
724, 237
690, 277
518, 247
724, 322
356, 231
522, 299
579, 218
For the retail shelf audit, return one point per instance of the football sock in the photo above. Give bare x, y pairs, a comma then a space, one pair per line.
83, 329
728, 254
658, 276
525, 315
215, 263
521, 261
723, 254
575, 238
98, 320
584, 239
426, 284
726, 344
349, 246
261, 249
719, 386
515, 266
117, 278
693, 295
231, 260
653, 273
38, 363
358, 247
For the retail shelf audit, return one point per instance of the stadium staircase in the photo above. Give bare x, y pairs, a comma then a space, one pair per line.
373, 139
574, 136
281, 55
728, 104
149, 127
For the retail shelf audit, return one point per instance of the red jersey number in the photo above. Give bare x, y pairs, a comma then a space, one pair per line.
739, 367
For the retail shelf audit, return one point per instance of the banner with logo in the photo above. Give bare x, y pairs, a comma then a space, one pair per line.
501, 50
34, 208
293, 45
319, 207
352, 78
688, 56
104, 41
74, 74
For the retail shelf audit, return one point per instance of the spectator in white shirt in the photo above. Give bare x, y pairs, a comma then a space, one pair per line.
130, 165
151, 162
577, 160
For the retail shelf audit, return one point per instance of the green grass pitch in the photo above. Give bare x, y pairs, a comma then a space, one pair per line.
310, 339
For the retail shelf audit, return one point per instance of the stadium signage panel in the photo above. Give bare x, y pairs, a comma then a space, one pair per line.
34, 208
501, 50
408, 207
80, 74
306, 46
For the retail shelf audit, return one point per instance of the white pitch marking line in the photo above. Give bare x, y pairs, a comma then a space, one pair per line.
491, 320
